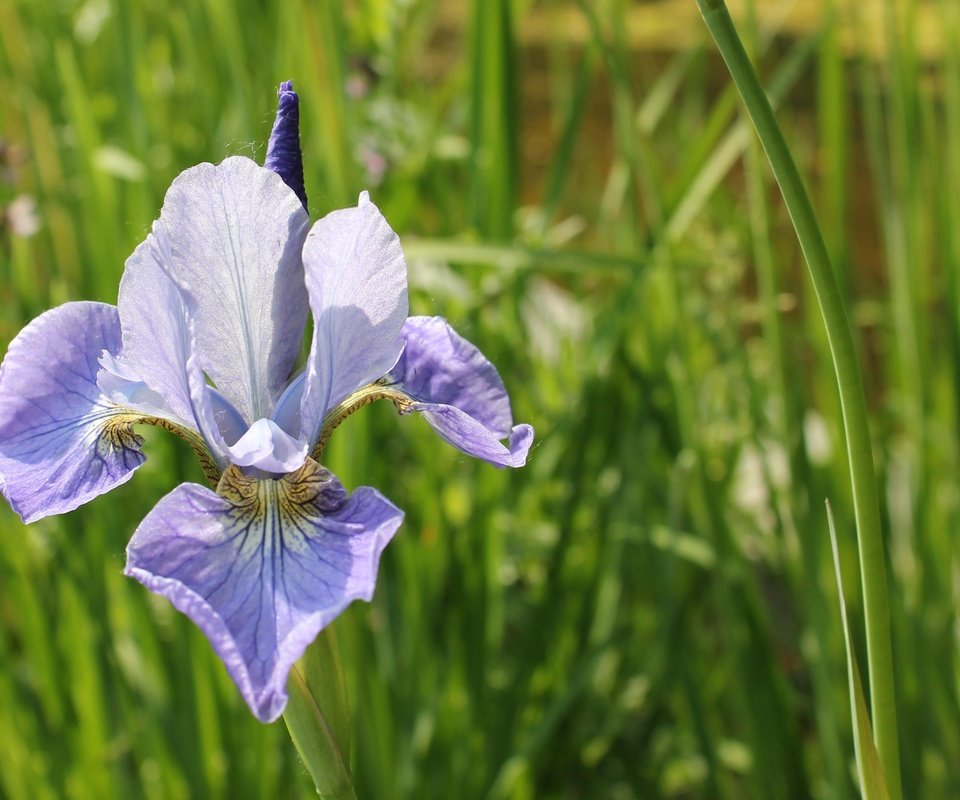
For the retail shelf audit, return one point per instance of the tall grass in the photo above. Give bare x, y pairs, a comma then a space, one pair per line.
648, 609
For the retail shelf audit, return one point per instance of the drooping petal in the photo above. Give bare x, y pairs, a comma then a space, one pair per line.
232, 234
263, 566
62, 442
459, 393
357, 280
466, 434
283, 149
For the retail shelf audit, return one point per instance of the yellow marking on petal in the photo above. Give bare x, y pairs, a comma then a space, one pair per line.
281, 505
118, 432
312, 486
239, 489
359, 399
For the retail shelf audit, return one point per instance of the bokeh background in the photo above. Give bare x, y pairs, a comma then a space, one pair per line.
648, 609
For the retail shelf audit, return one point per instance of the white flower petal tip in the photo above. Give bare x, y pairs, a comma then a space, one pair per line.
356, 278
267, 447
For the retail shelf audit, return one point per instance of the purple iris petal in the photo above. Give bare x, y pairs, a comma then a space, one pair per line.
263, 566
459, 393
263, 445
357, 280
152, 323
283, 149
158, 317
227, 420
219, 293
466, 434
286, 413
61, 443
232, 235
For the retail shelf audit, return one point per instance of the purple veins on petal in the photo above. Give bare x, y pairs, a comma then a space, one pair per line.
283, 149
459, 392
62, 442
210, 319
262, 566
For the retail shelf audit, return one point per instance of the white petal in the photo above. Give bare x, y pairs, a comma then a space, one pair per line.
158, 317
357, 280
266, 446
232, 233
121, 383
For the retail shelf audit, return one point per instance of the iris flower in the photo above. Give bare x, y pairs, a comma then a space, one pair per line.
203, 342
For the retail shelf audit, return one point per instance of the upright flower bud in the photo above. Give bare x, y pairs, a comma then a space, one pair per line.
283, 149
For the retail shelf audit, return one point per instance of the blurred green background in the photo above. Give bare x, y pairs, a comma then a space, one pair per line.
647, 610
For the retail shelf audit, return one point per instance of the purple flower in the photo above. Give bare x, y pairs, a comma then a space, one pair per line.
203, 342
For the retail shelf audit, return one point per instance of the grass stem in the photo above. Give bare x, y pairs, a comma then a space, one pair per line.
852, 400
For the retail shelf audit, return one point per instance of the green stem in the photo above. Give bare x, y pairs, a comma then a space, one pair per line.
852, 401
318, 717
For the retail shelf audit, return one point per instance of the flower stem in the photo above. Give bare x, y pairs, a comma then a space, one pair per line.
852, 401
318, 717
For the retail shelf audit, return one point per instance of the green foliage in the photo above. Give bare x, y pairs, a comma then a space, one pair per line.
873, 783
647, 609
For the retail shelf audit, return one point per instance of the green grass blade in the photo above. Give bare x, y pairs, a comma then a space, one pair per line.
872, 783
